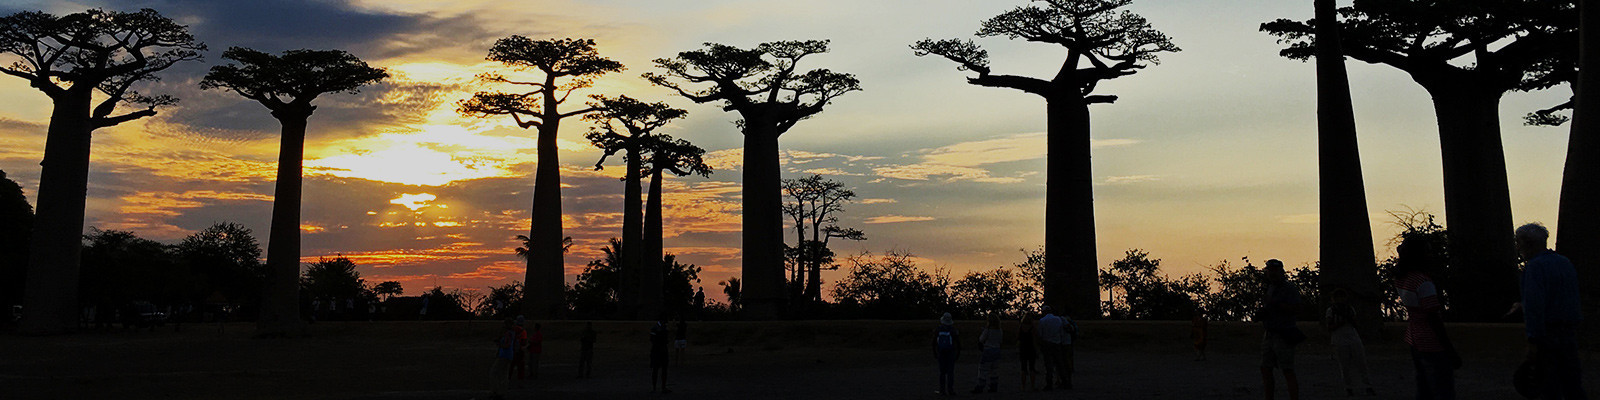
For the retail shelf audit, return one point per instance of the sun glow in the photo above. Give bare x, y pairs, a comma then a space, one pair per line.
414, 201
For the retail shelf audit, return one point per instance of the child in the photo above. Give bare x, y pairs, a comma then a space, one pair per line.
1348, 350
946, 349
989, 341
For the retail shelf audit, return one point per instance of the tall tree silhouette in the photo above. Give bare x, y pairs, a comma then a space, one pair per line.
624, 124
16, 222
1466, 54
287, 84
1579, 223
765, 87
814, 201
1348, 260
577, 63
679, 157
77, 60
1101, 44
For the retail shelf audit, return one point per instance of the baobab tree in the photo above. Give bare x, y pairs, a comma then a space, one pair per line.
624, 124
814, 201
576, 62
679, 157
88, 64
1579, 219
1348, 260
765, 87
1101, 44
286, 85
1467, 55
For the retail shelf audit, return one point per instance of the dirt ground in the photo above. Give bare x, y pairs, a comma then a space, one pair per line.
733, 360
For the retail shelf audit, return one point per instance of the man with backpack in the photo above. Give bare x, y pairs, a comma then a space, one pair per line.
946, 349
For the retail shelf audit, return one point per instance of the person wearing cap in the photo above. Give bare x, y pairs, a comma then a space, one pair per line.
946, 349
1281, 336
1551, 315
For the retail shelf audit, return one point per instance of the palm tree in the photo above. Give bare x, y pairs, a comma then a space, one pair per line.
287, 84
556, 59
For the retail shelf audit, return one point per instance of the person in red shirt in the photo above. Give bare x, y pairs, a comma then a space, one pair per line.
519, 356
1432, 353
535, 348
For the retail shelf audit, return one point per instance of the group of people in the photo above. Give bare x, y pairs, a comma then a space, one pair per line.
518, 352
1049, 335
1550, 310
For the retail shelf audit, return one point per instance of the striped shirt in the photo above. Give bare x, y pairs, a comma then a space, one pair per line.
1421, 298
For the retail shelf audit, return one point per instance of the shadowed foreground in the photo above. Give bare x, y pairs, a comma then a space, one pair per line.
851, 359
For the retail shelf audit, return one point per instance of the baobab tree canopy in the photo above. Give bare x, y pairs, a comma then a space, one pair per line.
295, 77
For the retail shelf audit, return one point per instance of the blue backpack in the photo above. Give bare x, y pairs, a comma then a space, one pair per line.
945, 341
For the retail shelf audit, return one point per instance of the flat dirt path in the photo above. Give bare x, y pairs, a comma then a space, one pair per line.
726, 360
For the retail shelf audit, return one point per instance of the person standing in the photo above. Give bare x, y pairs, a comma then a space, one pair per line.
699, 303
989, 359
1026, 351
658, 355
1281, 336
535, 349
682, 339
1349, 351
586, 351
1551, 314
499, 373
946, 349
1198, 327
519, 351
1432, 353
1052, 339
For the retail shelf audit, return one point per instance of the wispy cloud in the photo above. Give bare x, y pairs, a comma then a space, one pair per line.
1127, 179
891, 218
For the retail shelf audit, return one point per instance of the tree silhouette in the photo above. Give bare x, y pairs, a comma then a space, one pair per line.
1101, 44
389, 289
814, 201
765, 87
76, 60
664, 154
333, 278
16, 222
1348, 260
624, 124
576, 61
287, 84
1579, 219
226, 259
1467, 55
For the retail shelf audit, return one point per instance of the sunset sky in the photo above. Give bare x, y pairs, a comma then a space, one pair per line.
1209, 156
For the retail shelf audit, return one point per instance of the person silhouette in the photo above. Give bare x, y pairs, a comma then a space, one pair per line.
989, 359
586, 351
1551, 314
1027, 351
1432, 353
658, 355
946, 349
1281, 336
1340, 320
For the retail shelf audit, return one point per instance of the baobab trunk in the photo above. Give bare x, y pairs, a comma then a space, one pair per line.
280, 308
546, 275
651, 250
1579, 224
635, 278
764, 296
54, 248
1072, 274
1483, 273
1346, 235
